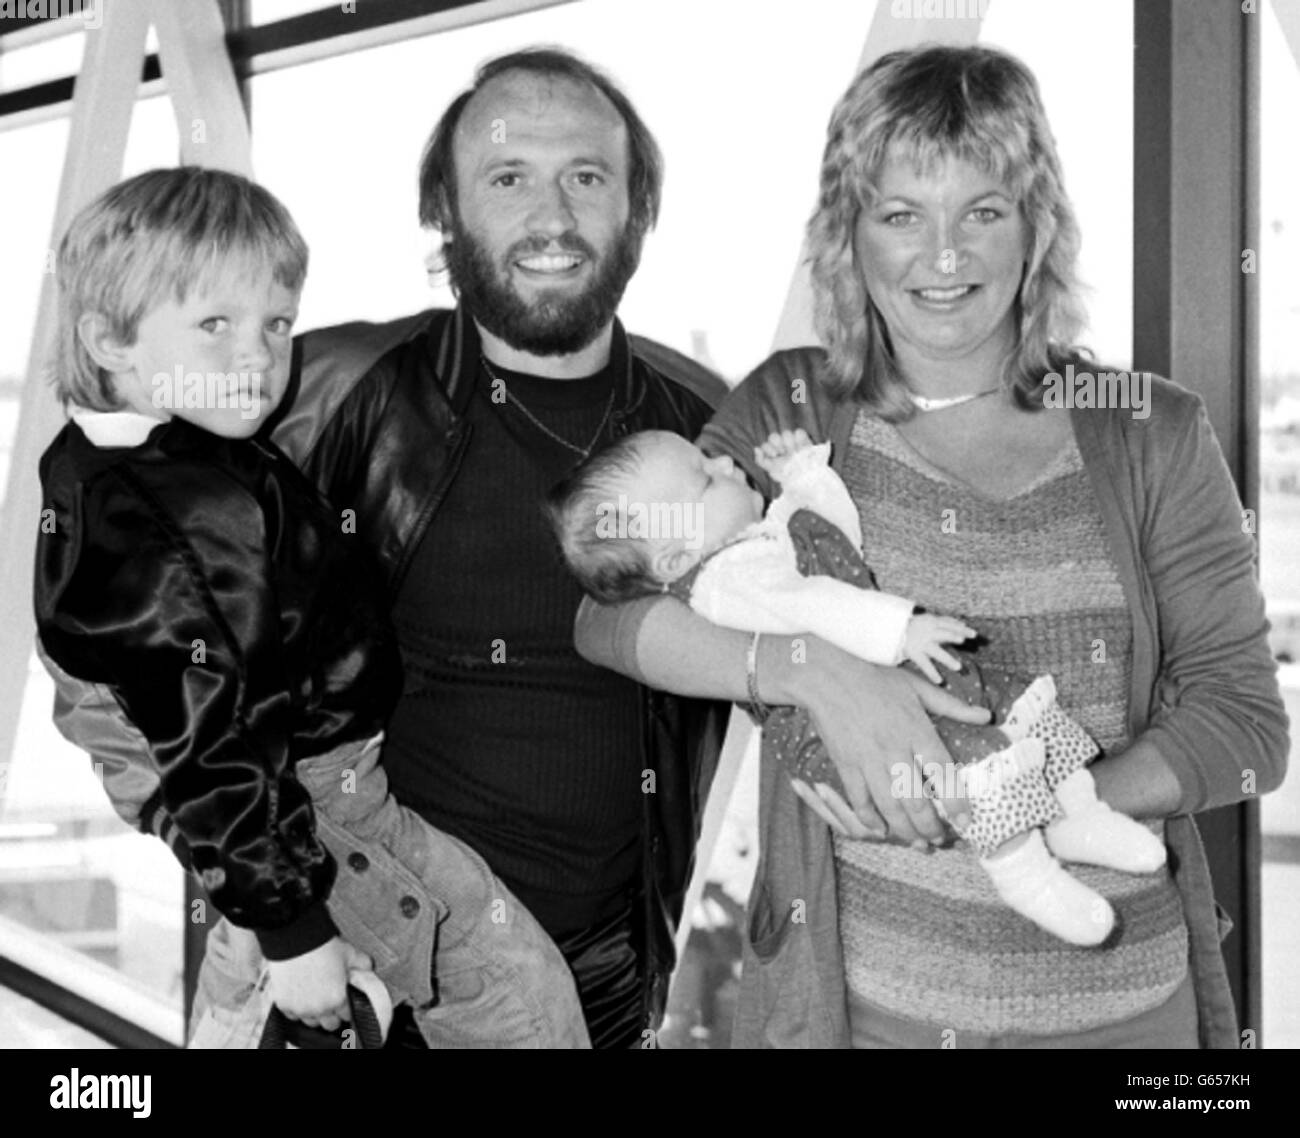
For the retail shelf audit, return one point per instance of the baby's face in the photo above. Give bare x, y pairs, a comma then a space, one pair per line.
691, 504
219, 359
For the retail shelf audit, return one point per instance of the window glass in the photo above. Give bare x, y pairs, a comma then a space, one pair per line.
1093, 126
1279, 501
53, 58
83, 899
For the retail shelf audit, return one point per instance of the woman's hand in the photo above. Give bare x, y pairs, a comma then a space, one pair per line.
870, 718
874, 723
313, 987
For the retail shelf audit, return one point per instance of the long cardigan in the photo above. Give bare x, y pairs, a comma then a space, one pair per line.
1204, 685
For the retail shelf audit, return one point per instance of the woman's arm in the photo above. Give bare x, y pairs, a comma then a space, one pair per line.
870, 718
1219, 734
1138, 782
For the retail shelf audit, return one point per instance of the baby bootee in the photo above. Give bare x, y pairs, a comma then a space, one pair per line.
1090, 832
1009, 803
1033, 883
1093, 834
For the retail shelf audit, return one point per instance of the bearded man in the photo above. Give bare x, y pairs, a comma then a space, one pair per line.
577, 786
438, 436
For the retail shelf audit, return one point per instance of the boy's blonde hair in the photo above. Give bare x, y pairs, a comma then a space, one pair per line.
156, 237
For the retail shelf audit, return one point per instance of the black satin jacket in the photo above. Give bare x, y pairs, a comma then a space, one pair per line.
208, 585
374, 416
389, 445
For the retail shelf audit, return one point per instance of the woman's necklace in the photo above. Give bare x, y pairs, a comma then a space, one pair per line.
924, 403
582, 452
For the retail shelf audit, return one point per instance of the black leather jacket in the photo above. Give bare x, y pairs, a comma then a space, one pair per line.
390, 445
374, 417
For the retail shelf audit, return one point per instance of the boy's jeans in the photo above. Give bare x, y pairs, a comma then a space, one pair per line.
444, 934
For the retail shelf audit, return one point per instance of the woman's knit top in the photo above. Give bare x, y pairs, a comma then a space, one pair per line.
925, 936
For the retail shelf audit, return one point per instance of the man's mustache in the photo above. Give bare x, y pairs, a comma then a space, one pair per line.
536, 246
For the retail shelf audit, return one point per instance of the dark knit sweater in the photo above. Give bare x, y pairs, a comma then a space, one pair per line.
504, 736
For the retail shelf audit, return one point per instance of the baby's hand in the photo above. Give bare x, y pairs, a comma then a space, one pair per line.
779, 448
926, 632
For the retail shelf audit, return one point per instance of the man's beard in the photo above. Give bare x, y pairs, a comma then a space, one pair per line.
556, 323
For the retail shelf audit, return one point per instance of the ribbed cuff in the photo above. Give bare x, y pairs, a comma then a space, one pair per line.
155, 820
309, 931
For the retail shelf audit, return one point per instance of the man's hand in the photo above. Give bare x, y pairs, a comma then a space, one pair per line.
924, 639
874, 723
313, 987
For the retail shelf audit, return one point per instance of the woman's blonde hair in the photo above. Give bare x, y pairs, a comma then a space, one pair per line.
156, 237
975, 104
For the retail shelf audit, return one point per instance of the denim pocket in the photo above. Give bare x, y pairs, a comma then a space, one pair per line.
232, 1001
384, 910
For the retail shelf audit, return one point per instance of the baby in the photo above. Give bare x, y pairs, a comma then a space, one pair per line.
186, 565
653, 514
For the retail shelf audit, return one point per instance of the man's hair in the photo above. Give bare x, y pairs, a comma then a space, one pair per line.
609, 567
925, 105
155, 237
438, 204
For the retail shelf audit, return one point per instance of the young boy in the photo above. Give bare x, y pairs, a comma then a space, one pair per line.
186, 564
654, 514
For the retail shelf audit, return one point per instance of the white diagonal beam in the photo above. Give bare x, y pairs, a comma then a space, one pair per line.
210, 119
1288, 16
888, 32
101, 118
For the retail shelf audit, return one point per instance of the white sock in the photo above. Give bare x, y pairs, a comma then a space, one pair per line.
1035, 885
1094, 834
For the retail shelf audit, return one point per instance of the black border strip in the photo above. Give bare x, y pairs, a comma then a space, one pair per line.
60, 90
78, 1010
330, 23
12, 24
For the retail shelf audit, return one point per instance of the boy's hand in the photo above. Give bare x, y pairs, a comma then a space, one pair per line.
313, 987
780, 446
922, 642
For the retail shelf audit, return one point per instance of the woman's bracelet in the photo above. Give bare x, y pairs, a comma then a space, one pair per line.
757, 707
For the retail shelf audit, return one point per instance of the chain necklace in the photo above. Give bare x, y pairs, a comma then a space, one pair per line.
582, 453
925, 404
